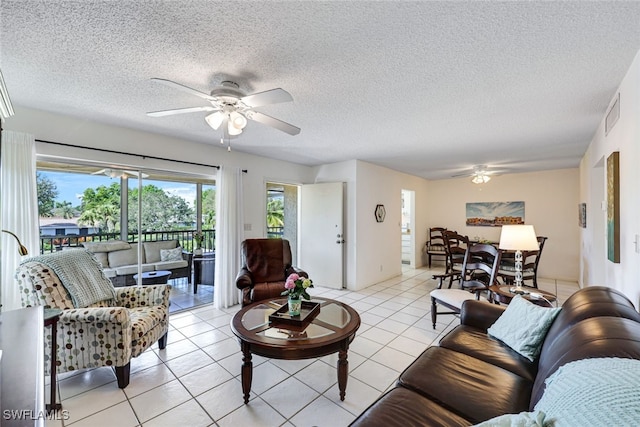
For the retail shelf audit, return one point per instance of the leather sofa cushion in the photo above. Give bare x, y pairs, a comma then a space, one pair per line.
466, 385
152, 249
591, 302
476, 343
595, 337
404, 407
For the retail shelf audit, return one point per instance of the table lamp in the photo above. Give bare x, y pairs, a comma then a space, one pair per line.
518, 238
22, 250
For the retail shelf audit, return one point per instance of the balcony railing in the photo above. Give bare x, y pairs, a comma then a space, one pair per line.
275, 232
184, 237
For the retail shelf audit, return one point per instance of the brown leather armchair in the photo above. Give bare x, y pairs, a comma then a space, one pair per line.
266, 266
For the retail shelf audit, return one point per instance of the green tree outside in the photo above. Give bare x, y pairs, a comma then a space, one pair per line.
47, 193
275, 212
100, 207
160, 211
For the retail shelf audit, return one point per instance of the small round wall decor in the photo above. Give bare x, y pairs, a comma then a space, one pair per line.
380, 213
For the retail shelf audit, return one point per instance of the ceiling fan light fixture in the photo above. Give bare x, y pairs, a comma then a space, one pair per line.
215, 119
237, 120
480, 178
233, 131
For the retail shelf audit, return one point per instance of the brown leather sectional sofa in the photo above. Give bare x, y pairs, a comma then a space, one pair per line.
471, 377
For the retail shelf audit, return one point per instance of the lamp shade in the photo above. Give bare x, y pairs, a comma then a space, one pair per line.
215, 119
518, 238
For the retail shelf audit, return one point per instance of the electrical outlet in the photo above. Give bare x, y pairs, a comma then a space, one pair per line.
247, 227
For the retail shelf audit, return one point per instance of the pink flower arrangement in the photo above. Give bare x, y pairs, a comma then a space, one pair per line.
296, 286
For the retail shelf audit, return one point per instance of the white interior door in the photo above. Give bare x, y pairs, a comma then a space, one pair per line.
321, 238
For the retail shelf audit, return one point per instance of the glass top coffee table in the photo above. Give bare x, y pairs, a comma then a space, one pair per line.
330, 331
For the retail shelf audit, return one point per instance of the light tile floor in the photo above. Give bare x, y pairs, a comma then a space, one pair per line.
182, 296
195, 381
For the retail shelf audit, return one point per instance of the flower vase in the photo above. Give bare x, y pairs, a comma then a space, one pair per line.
294, 306
197, 251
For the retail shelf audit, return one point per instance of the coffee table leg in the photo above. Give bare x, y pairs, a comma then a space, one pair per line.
247, 371
343, 372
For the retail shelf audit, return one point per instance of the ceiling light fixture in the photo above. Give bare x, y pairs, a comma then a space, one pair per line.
215, 119
480, 178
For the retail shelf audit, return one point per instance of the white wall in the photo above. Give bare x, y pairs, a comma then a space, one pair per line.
374, 249
53, 127
551, 206
624, 137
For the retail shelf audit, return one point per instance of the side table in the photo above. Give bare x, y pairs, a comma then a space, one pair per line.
51, 317
203, 269
502, 294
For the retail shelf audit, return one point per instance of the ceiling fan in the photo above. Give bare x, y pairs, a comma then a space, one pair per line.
117, 173
231, 107
481, 174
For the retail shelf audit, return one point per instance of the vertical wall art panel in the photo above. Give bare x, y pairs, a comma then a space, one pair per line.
613, 207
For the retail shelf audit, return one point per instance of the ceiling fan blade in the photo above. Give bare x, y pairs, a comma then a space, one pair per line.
100, 172
273, 96
275, 123
462, 174
163, 113
184, 88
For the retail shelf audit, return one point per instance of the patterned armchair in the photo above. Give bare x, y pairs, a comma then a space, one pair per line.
106, 333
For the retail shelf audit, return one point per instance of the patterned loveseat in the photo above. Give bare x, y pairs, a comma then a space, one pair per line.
105, 333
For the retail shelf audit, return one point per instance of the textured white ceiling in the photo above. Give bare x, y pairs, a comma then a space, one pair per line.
427, 88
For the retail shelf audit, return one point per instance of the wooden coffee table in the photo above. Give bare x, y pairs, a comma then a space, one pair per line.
503, 294
331, 331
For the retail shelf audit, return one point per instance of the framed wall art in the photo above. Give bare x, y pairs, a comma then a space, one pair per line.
613, 207
495, 214
582, 215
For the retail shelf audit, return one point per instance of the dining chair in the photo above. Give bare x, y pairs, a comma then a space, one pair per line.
455, 247
435, 244
478, 272
530, 262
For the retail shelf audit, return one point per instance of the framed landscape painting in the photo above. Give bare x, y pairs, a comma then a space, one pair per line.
495, 214
613, 207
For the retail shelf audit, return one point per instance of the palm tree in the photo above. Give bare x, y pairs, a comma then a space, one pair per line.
64, 210
275, 213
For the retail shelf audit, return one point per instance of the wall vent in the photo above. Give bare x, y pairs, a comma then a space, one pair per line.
612, 116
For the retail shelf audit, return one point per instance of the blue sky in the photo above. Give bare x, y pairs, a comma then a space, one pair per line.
71, 185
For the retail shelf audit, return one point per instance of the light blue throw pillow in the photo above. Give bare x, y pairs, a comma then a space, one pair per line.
523, 326
523, 419
593, 393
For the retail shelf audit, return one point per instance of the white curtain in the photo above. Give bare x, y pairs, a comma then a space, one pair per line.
229, 236
19, 204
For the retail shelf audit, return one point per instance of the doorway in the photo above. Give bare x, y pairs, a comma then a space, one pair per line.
282, 214
407, 233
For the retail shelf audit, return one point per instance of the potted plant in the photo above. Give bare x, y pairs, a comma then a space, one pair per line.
198, 237
296, 288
